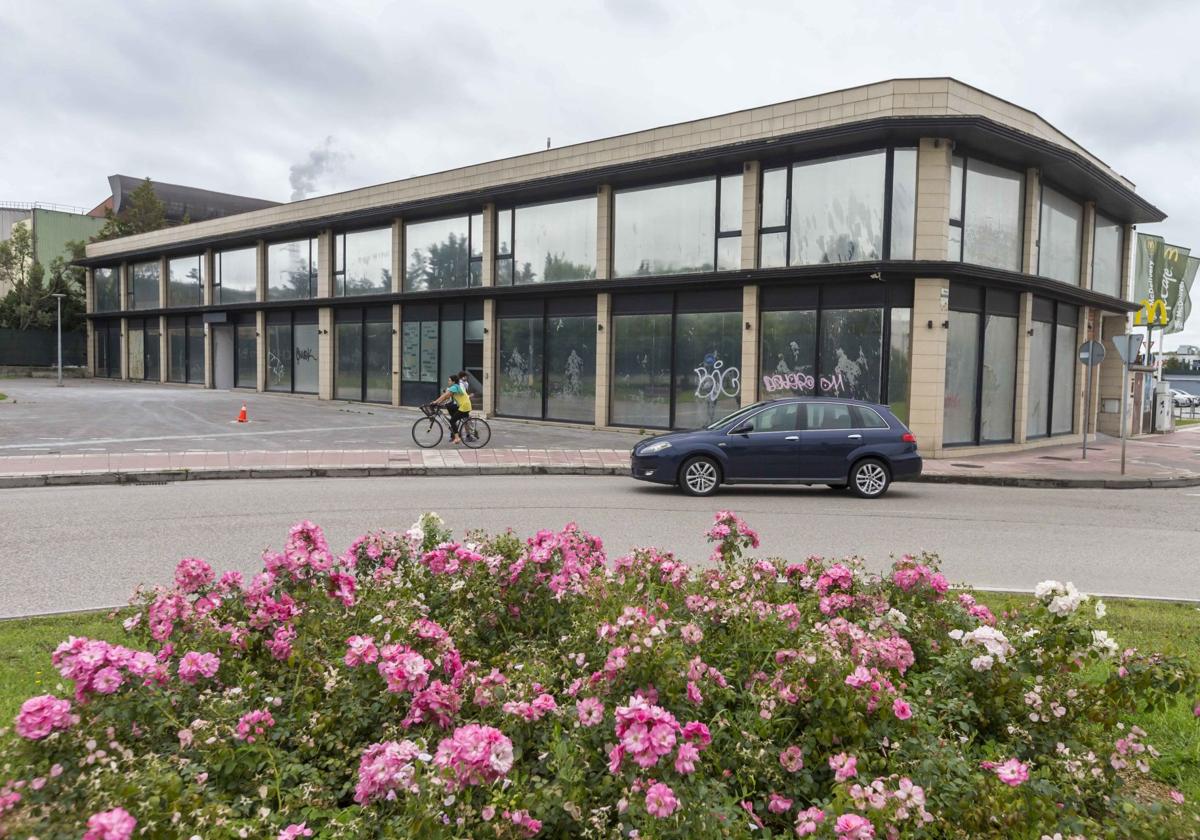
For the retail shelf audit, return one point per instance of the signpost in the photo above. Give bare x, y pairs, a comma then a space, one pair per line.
1127, 347
1091, 354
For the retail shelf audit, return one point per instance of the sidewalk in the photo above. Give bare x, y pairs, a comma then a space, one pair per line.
1157, 461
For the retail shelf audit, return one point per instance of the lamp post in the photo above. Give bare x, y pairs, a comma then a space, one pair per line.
59, 302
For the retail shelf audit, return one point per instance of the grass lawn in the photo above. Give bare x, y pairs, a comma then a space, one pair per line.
1161, 627
1164, 627
1179, 421
3, 397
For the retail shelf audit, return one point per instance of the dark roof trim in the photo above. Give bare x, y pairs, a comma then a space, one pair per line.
1062, 166
888, 271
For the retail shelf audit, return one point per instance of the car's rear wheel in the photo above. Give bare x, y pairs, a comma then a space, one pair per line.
869, 478
699, 476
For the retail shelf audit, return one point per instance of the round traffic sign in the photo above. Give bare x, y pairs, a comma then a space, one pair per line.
1091, 353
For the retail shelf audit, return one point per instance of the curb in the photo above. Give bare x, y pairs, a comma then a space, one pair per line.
170, 476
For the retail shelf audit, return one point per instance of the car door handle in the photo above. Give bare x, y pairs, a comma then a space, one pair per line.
854, 437
792, 437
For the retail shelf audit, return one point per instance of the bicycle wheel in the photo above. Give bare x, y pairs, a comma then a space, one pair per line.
476, 433
427, 432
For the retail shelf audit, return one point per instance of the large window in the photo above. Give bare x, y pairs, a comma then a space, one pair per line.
437, 340
237, 276
362, 262
1059, 243
668, 229
831, 340
143, 349
546, 243
106, 292
245, 350
1107, 252
729, 223
1050, 401
106, 348
440, 253
985, 213
1062, 411
676, 358
185, 281
143, 286
547, 359
981, 365
292, 270
292, 351
185, 350
1041, 366
835, 210
363, 360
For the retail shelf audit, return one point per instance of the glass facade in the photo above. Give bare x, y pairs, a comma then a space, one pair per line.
185, 281
437, 340
546, 359
363, 354
292, 351
851, 353
106, 290
136, 349
981, 365
245, 351
708, 359
1059, 243
1041, 363
669, 229
438, 254
547, 243
962, 378
292, 270
837, 209
519, 366
362, 262
106, 348
986, 212
143, 349
1062, 412
195, 350
1108, 249
236, 278
999, 385
143, 285
641, 370
904, 204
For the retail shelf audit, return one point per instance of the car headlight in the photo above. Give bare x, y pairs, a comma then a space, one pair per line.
653, 448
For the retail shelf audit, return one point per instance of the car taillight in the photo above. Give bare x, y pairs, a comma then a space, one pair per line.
908, 437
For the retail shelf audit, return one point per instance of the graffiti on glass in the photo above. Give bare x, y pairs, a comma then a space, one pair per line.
714, 380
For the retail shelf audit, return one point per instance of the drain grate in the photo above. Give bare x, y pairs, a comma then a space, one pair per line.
968, 466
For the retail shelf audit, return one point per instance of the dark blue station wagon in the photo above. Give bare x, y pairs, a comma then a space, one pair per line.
846, 444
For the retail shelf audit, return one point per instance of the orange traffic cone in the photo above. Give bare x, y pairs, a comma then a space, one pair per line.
242, 418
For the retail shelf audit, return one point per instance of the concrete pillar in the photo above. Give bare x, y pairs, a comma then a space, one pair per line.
397, 349
207, 277
489, 357
209, 381
325, 258
262, 270
1024, 325
749, 394
124, 348
933, 201
325, 353
927, 381
163, 282
1089, 245
1033, 215
489, 245
163, 360
260, 345
603, 355
1128, 240
604, 201
91, 348
123, 285
751, 216
398, 255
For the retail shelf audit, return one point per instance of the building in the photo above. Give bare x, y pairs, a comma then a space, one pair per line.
918, 242
51, 228
181, 203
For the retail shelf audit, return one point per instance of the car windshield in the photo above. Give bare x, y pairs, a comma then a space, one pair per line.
741, 412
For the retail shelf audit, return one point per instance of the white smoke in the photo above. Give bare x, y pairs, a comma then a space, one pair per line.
322, 160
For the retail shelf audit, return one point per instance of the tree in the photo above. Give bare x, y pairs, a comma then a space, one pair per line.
30, 303
144, 211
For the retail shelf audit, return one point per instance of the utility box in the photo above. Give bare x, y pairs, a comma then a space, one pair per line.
1164, 408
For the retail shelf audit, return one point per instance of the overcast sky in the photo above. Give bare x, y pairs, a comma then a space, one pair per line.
277, 99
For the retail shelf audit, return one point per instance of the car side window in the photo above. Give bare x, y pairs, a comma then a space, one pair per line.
825, 416
867, 418
777, 418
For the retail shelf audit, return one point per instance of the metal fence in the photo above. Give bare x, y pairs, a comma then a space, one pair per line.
39, 348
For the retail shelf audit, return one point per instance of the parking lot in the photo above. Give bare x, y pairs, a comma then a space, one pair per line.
102, 416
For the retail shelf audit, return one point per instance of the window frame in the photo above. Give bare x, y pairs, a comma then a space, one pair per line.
199, 258
472, 260
1075, 198
544, 309
313, 269
218, 285
984, 309
961, 224
510, 257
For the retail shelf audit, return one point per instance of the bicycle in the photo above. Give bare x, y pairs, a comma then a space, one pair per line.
428, 431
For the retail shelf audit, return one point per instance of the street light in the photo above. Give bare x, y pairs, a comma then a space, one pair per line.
59, 297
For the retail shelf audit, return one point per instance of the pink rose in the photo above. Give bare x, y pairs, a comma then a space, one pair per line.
661, 801
116, 824
901, 709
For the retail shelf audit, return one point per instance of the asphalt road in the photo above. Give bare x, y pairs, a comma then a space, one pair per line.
69, 548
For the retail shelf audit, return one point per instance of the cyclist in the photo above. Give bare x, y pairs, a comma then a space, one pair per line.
458, 397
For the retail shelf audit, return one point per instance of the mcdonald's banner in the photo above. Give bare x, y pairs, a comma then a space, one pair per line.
1185, 296
1158, 283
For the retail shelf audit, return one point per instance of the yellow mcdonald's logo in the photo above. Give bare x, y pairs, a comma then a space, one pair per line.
1171, 253
1152, 313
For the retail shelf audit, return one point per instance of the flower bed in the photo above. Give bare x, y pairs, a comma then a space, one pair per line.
497, 687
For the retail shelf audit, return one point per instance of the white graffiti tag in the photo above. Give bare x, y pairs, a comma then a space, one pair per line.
718, 382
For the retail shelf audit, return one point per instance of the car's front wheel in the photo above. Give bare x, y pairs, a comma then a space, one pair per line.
699, 476
869, 479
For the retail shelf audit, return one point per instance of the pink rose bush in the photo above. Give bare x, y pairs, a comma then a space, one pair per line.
418, 684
